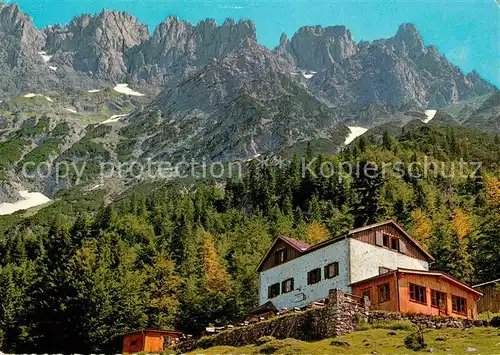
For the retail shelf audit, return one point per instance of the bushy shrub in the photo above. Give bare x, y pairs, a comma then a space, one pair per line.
364, 326
265, 339
415, 340
394, 325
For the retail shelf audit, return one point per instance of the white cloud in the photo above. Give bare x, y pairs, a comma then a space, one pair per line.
459, 55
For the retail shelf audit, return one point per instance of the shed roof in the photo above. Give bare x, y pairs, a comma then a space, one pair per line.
266, 307
487, 283
152, 330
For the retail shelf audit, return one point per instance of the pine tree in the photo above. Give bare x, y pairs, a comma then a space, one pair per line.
164, 288
368, 206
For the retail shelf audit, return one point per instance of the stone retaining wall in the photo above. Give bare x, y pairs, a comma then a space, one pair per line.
342, 314
434, 322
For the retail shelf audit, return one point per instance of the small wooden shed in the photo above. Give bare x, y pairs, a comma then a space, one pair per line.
491, 296
150, 341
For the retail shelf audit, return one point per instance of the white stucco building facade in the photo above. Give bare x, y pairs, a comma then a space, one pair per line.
298, 268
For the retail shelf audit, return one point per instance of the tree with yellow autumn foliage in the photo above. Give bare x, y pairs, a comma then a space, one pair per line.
492, 189
216, 277
421, 225
316, 233
461, 224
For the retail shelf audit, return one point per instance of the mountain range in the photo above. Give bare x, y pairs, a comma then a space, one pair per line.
210, 91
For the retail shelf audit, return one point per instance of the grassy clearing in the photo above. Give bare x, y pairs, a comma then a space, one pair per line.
380, 341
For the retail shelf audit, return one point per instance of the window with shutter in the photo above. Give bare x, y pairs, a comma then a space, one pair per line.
331, 270
379, 238
273, 290
314, 276
280, 256
287, 286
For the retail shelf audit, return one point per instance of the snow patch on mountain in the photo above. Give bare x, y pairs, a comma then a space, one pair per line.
124, 89
32, 95
356, 131
430, 115
30, 199
114, 118
46, 58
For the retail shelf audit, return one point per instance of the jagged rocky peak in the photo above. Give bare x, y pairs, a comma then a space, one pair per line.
480, 85
178, 46
96, 43
317, 47
15, 24
172, 30
111, 30
408, 39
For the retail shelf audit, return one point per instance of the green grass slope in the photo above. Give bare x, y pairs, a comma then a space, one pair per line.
378, 341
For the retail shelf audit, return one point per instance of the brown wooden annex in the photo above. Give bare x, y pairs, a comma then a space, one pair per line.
386, 234
490, 302
419, 292
149, 341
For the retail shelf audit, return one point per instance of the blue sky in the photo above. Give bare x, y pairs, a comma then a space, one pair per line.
467, 32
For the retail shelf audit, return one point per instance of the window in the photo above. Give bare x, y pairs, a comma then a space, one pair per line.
331, 270
287, 286
273, 290
383, 270
366, 292
417, 293
280, 256
438, 299
133, 342
314, 276
458, 304
395, 243
386, 241
384, 292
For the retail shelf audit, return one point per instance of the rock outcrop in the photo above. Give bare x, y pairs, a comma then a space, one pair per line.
96, 45
317, 48
397, 71
178, 48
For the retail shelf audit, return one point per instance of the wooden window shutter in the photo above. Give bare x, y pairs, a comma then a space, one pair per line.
379, 238
402, 247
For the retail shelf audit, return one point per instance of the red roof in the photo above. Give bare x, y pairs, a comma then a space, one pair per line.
296, 243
